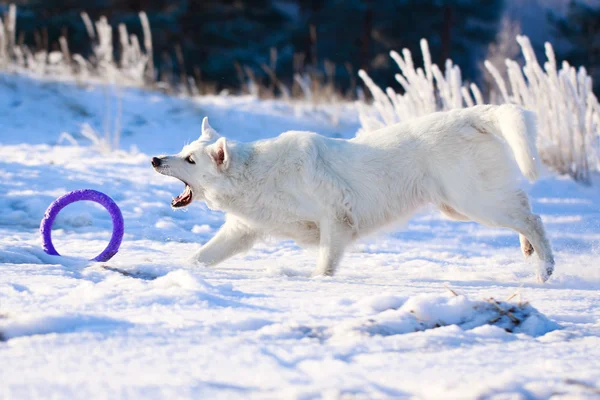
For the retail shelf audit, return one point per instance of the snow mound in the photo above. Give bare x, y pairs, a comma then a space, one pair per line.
423, 312
46, 324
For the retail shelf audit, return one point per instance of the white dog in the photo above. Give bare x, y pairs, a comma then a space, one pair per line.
330, 192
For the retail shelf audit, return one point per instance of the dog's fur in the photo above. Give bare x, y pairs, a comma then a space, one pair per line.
330, 192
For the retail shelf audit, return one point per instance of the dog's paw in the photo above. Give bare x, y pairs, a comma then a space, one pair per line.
544, 270
320, 274
195, 262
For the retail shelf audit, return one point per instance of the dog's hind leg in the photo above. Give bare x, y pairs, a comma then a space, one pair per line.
335, 236
526, 246
530, 226
513, 211
233, 238
451, 213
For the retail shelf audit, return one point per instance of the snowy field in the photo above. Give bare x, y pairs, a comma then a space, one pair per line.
148, 325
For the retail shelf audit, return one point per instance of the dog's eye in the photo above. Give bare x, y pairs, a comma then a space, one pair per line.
189, 159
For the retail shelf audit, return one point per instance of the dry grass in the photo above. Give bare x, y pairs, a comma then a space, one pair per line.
567, 109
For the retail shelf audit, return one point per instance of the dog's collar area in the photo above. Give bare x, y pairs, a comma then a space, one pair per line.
184, 199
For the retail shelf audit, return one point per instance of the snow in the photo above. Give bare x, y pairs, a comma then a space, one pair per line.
147, 324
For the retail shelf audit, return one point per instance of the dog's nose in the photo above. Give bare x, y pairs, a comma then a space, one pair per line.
155, 162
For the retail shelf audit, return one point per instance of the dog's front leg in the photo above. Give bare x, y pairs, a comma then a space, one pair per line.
335, 236
233, 238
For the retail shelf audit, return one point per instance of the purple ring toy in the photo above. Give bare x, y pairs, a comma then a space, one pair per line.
79, 195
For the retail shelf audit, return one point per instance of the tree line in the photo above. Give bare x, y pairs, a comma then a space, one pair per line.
220, 41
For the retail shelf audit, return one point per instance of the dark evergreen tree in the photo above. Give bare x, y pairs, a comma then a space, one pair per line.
581, 29
362, 32
334, 31
213, 36
455, 29
218, 34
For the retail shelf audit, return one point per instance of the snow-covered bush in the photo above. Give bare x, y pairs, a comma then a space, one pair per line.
567, 109
7, 36
107, 143
133, 67
425, 91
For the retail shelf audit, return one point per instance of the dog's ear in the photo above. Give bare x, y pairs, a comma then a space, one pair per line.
207, 131
219, 152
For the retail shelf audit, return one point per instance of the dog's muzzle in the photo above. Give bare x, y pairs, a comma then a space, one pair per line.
185, 198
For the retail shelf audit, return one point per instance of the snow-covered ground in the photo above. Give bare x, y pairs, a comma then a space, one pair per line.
148, 325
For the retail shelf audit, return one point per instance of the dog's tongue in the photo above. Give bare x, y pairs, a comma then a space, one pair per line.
183, 199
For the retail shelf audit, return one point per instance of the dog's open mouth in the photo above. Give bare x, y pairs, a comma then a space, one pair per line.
184, 199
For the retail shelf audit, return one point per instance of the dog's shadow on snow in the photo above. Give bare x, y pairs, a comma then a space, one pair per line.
288, 272
147, 276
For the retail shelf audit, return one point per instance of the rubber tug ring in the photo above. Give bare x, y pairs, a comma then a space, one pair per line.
81, 195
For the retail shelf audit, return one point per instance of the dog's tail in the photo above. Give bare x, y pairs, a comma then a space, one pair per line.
518, 127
